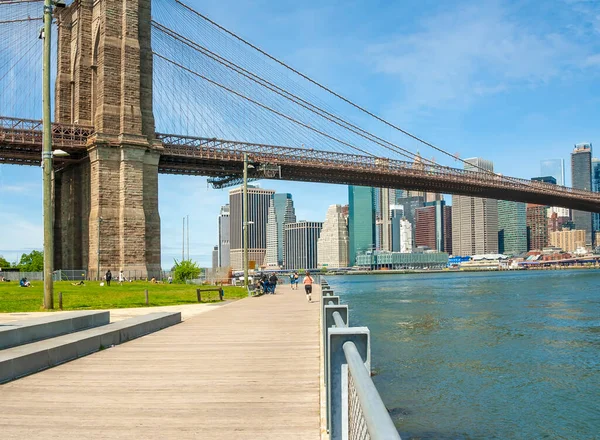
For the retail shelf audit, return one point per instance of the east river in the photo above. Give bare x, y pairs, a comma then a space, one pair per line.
506, 355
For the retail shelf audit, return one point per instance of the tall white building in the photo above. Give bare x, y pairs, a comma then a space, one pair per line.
258, 211
475, 220
405, 236
332, 247
301, 244
223, 251
271, 256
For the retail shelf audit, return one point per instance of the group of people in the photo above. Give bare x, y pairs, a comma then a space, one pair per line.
108, 277
267, 284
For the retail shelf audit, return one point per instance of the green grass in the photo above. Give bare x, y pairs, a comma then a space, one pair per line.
92, 296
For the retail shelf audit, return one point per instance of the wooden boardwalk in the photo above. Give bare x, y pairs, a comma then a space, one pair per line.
248, 370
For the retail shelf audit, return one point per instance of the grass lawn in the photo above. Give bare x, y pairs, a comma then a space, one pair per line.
92, 296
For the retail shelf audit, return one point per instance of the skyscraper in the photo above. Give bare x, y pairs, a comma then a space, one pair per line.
301, 240
285, 212
361, 221
409, 206
384, 197
271, 255
332, 247
258, 210
596, 188
406, 236
215, 257
512, 227
223, 252
433, 226
581, 175
554, 168
474, 220
425, 227
537, 226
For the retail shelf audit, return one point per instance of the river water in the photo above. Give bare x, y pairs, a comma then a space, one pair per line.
507, 355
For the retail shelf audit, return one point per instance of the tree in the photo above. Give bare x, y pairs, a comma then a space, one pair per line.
3, 263
32, 262
185, 270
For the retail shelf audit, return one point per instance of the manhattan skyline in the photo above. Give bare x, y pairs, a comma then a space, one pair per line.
530, 101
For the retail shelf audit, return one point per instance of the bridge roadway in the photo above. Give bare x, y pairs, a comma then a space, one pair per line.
21, 140
247, 370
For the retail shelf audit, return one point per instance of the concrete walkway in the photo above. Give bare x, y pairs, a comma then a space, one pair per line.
247, 370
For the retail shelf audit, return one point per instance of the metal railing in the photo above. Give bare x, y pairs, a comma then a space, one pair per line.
355, 410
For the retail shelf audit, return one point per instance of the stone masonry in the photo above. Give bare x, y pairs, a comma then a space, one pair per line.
107, 207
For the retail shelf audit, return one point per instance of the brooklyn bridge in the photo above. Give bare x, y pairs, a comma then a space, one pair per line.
146, 87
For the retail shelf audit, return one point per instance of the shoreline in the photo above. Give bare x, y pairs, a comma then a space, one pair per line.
422, 271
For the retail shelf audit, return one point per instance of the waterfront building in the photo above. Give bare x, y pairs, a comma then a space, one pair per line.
223, 245
361, 221
383, 226
300, 242
474, 219
215, 257
512, 227
258, 211
406, 236
581, 176
332, 246
554, 168
402, 261
425, 227
285, 213
537, 226
568, 241
397, 212
433, 226
596, 188
409, 206
272, 253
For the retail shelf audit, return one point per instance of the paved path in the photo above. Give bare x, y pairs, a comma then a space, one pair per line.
248, 370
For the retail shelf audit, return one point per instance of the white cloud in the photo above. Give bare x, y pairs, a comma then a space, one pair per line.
472, 51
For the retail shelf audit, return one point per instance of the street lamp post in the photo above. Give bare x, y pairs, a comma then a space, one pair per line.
47, 161
245, 218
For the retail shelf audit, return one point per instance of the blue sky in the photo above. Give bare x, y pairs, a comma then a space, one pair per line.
511, 81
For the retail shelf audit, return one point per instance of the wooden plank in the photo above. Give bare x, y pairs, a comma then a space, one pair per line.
248, 370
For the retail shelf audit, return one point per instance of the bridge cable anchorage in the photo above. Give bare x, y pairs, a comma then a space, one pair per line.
295, 121
289, 95
344, 99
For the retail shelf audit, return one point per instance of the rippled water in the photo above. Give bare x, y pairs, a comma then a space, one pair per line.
484, 355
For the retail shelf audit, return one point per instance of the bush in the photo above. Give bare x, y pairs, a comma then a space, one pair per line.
185, 270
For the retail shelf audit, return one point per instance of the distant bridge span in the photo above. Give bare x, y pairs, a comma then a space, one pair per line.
21, 142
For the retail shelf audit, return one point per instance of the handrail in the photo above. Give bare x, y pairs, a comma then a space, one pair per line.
355, 410
379, 423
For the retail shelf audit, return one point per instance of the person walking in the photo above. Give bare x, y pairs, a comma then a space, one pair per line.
296, 279
108, 277
308, 282
121, 277
273, 283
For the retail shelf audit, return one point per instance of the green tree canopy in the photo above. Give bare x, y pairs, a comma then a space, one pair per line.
185, 270
32, 262
3, 263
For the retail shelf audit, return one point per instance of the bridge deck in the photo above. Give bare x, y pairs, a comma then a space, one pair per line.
248, 370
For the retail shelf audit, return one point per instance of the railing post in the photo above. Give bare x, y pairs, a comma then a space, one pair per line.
337, 383
147, 298
328, 322
60, 305
198, 295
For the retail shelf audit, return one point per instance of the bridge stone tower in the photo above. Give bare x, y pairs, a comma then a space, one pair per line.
106, 208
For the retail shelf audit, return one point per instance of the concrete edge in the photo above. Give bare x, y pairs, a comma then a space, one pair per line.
28, 359
26, 331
